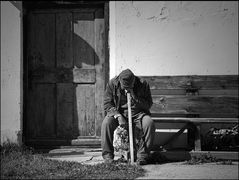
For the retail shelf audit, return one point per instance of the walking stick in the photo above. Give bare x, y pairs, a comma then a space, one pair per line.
130, 129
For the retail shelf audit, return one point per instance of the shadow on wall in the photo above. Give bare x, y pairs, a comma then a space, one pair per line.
85, 59
85, 54
83, 50
17, 4
83, 92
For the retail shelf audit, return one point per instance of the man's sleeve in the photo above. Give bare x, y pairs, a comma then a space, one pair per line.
109, 105
145, 102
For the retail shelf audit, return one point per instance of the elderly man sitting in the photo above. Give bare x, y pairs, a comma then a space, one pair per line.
115, 104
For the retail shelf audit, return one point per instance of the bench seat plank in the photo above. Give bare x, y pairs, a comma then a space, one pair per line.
195, 120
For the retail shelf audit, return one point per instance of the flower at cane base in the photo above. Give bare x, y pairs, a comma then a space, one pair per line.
121, 139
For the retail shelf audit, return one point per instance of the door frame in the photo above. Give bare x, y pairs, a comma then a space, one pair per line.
31, 5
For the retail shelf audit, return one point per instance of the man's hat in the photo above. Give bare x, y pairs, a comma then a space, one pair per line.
126, 78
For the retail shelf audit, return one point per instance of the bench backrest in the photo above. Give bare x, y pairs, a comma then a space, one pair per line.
194, 96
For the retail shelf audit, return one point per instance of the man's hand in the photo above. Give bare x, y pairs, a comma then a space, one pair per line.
133, 96
121, 120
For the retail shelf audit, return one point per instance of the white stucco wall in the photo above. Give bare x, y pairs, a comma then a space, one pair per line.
149, 37
174, 37
11, 57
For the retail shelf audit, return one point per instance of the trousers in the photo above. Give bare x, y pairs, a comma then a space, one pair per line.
143, 128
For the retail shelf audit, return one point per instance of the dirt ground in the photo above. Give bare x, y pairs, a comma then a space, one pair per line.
179, 170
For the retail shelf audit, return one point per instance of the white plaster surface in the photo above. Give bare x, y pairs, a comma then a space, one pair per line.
149, 37
174, 37
10, 72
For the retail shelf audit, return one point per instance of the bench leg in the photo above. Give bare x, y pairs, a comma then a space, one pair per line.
197, 141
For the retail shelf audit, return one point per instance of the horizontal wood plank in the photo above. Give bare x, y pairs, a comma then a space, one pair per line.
202, 105
203, 82
71, 10
195, 120
84, 75
201, 92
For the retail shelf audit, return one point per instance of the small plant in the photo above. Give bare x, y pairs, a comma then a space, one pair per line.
221, 139
207, 158
225, 162
203, 158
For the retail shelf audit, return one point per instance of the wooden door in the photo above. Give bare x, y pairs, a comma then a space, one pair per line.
65, 74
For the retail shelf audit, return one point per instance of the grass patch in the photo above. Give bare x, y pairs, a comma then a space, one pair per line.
23, 163
203, 158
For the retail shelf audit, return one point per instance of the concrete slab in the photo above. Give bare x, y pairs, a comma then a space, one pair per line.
90, 158
180, 170
82, 155
173, 170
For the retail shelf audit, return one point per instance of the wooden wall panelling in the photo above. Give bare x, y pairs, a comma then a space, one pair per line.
64, 40
64, 64
41, 96
99, 67
85, 109
41, 111
65, 108
83, 37
42, 54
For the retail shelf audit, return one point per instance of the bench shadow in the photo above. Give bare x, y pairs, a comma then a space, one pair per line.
162, 157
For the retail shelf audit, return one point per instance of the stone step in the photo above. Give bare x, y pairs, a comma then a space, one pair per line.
86, 142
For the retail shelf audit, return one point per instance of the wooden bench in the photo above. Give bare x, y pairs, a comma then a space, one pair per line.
194, 102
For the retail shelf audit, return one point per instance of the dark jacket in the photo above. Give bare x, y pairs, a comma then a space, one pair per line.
112, 96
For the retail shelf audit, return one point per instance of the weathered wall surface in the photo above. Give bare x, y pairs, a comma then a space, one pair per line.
10, 72
150, 37
174, 37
